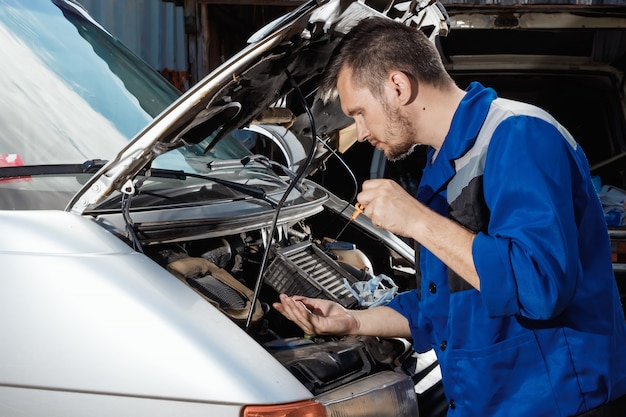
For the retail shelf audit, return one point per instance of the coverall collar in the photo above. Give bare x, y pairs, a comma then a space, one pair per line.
466, 123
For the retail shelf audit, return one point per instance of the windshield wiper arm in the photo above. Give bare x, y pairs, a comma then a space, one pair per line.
87, 167
251, 190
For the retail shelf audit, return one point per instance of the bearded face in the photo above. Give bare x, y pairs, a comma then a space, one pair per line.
399, 134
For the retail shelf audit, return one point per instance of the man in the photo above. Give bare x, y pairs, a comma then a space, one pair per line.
516, 292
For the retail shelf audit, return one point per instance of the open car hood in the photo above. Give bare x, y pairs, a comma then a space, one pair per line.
282, 62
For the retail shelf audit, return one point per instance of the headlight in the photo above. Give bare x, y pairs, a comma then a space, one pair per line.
386, 394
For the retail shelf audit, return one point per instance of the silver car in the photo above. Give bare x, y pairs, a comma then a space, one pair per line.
145, 235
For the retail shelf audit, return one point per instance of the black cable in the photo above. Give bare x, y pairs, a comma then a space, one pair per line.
346, 167
354, 180
301, 171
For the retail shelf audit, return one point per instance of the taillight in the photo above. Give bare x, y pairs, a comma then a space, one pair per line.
297, 409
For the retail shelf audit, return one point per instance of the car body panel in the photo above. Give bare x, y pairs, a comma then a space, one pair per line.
17, 402
152, 335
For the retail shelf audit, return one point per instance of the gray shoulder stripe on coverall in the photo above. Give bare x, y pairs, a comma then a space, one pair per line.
472, 164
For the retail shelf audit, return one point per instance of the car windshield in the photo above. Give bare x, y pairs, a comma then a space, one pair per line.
73, 93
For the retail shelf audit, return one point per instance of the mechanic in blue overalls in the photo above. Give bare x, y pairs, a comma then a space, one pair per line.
516, 292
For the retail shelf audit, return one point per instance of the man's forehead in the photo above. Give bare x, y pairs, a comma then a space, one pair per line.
344, 72
345, 84
332, 93
345, 78
353, 98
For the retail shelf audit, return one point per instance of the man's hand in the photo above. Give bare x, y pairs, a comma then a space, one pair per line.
389, 206
317, 316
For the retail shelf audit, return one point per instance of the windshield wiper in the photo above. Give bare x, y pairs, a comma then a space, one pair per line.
251, 190
88, 167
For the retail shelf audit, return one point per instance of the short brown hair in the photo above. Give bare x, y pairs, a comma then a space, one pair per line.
378, 45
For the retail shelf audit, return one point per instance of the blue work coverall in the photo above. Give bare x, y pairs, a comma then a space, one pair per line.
545, 335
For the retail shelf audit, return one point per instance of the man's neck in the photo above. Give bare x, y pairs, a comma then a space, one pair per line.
435, 109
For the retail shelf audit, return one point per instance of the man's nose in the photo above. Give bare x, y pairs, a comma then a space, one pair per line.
362, 133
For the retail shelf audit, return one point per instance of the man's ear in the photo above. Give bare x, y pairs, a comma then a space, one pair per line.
404, 90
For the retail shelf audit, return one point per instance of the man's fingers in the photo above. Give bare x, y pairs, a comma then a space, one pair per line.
302, 316
295, 311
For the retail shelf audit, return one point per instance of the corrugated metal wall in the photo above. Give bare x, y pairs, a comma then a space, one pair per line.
153, 29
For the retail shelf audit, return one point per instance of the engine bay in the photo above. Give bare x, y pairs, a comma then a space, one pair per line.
225, 271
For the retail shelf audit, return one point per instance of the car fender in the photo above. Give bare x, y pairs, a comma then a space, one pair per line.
97, 317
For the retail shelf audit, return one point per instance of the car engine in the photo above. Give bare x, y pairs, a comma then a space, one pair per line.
224, 271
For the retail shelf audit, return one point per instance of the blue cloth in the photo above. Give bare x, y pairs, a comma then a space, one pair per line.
546, 334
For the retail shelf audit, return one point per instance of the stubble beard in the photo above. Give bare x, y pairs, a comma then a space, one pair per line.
402, 134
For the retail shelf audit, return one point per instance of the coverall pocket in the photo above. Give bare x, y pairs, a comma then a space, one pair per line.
508, 378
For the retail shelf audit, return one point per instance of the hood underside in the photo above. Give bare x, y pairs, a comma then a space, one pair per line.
280, 68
